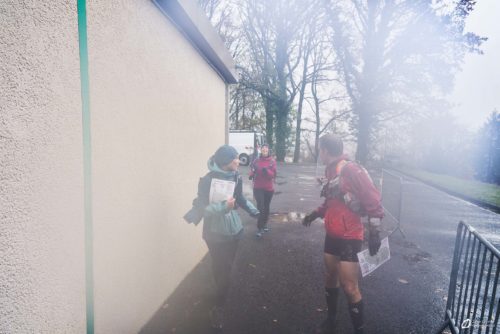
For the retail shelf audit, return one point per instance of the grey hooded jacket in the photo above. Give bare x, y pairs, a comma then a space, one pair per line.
220, 222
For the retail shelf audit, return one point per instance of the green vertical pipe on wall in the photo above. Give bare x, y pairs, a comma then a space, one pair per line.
87, 164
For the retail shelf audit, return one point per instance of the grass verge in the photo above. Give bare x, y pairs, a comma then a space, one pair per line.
468, 189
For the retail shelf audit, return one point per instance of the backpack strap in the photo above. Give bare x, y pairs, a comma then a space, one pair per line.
340, 166
236, 178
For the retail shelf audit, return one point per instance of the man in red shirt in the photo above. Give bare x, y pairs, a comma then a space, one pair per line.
349, 195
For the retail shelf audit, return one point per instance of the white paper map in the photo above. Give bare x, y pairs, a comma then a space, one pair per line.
220, 190
369, 263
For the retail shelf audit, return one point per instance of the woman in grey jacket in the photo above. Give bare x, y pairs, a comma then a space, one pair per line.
222, 227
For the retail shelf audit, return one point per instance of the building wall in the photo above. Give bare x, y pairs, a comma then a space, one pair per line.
42, 269
158, 112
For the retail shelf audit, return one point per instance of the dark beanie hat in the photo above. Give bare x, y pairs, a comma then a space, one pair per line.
224, 155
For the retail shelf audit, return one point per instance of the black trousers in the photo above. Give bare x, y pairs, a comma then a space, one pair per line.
222, 253
263, 198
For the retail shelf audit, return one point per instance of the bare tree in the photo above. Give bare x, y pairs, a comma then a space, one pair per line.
397, 58
311, 36
246, 110
273, 30
222, 15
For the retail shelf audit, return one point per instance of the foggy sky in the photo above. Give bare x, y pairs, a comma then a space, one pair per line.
477, 87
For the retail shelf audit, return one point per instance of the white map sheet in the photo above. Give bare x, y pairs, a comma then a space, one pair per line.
369, 263
221, 190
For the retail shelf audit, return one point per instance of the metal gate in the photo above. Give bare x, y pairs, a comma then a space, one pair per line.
473, 295
392, 198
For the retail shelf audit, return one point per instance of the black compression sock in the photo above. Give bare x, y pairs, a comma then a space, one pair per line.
332, 295
356, 312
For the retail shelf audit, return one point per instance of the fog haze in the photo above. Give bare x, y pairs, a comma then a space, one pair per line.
477, 87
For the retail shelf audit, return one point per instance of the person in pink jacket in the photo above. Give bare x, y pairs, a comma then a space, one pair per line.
263, 172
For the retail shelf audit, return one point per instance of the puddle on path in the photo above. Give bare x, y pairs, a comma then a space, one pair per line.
304, 177
287, 217
417, 257
406, 244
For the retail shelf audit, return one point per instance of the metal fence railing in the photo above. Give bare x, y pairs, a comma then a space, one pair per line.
392, 197
473, 295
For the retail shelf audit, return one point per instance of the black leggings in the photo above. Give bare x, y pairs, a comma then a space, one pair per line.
263, 198
222, 253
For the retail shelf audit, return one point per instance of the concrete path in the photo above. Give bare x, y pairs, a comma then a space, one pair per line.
278, 280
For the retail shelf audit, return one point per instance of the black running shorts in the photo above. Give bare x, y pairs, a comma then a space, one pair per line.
346, 249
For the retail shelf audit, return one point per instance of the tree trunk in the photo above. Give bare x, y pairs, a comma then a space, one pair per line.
270, 111
282, 107
296, 153
367, 106
317, 132
363, 137
281, 130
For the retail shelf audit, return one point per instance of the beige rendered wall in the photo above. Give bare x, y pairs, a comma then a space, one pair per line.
42, 270
158, 112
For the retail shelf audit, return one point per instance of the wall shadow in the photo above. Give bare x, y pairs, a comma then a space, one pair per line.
186, 310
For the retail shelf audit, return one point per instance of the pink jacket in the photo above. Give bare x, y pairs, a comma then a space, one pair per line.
263, 180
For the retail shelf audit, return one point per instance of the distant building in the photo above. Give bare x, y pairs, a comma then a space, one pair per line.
158, 78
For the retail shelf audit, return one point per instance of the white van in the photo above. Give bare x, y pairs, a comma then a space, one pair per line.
247, 143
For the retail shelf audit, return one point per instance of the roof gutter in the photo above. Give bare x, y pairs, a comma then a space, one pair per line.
193, 23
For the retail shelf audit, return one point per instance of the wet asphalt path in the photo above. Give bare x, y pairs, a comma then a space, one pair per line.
278, 279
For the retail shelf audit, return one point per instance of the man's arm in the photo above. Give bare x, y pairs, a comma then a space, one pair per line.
318, 213
371, 203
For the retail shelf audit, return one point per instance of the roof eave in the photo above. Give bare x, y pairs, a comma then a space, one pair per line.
194, 24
